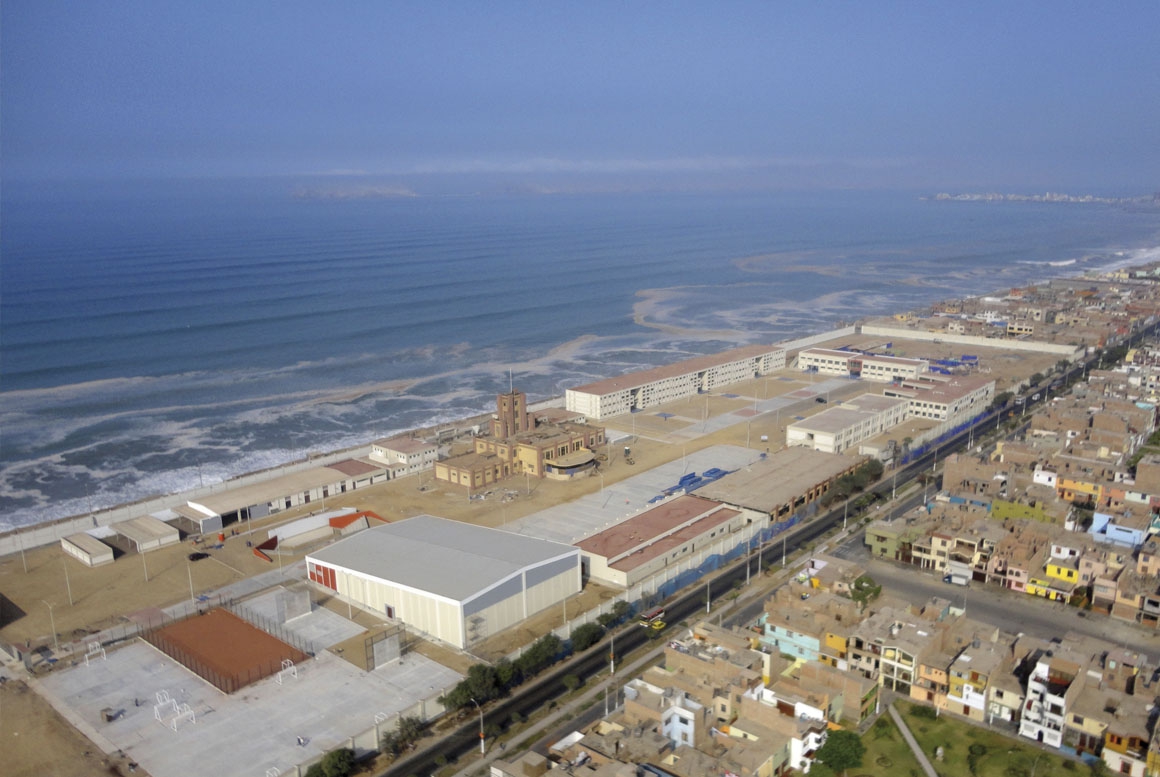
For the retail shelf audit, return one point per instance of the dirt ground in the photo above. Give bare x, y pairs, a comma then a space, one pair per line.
102, 596
38, 741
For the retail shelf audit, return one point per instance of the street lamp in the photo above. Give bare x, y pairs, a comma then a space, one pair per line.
482, 751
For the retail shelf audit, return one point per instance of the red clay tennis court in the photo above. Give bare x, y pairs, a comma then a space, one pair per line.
223, 649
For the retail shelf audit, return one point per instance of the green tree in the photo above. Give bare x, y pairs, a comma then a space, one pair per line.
584, 637
1001, 399
571, 682
621, 609
541, 654
408, 732
338, 763
506, 674
843, 750
482, 683
1036, 379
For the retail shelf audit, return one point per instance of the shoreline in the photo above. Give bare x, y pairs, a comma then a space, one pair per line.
647, 300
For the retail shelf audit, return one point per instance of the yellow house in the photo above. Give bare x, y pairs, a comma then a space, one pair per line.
1048, 589
834, 649
1073, 489
931, 687
1065, 570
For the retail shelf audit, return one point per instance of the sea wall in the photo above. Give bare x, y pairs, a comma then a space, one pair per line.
824, 337
1071, 352
47, 533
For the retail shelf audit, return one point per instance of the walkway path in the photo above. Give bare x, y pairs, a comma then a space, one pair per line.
923, 761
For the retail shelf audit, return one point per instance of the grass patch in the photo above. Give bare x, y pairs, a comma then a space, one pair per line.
971, 751
887, 754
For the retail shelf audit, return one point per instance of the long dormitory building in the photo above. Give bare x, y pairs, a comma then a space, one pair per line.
648, 388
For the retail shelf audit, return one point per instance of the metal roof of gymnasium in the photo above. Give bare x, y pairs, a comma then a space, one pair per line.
439, 556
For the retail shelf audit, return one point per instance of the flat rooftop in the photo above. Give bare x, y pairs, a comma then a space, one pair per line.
234, 499
874, 403
778, 479
685, 367
443, 557
144, 529
654, 532
832, 421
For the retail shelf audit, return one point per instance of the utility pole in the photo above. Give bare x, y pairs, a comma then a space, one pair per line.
67, 584
708, 596
52, 622
482, 748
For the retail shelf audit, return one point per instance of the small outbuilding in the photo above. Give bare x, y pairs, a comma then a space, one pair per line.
87, 549
147, 533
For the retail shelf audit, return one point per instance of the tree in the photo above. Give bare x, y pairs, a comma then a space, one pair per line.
482, 683
621, 609
338, 763
1036, 379
1001, 399
571, 682
409, 730
843, 750
506, 674
584, 637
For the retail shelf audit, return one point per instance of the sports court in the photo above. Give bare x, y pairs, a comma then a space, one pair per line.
224, 649
243, 733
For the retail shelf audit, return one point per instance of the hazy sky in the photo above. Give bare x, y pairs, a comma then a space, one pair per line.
948, 96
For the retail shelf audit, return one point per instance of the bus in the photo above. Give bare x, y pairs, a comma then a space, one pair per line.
646, 618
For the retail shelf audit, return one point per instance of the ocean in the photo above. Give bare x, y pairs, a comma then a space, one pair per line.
153, 339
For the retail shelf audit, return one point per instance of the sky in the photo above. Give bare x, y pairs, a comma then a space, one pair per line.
397, 97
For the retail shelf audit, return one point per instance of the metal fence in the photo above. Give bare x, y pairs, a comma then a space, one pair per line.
225, 681
273, 628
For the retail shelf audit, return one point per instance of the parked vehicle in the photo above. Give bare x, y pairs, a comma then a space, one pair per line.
648, 618
956, 579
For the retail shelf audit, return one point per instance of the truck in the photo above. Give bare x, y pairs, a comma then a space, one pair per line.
956, 579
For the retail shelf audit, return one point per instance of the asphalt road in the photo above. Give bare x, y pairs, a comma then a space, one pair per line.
1011, 611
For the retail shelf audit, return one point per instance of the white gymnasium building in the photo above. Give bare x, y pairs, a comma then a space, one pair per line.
453, 581
638, 390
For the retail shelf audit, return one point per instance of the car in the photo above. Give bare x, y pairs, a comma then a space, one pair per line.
821, 400
198, 556
657, 625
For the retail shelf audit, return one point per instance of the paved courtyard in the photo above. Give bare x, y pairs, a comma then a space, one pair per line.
572, 522
250, 731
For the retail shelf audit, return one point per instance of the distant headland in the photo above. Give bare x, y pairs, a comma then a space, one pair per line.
1146, 199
